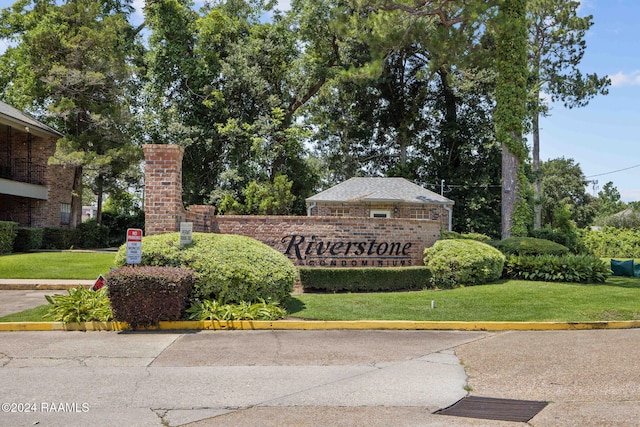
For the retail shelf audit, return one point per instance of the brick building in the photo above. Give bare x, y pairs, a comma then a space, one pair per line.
32, 192
382, 198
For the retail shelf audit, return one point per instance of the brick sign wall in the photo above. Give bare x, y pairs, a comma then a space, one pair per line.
337, 242
313, 241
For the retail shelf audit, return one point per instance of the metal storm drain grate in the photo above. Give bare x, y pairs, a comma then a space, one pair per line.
488, 408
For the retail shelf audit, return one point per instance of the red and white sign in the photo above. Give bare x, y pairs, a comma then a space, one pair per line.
134, 246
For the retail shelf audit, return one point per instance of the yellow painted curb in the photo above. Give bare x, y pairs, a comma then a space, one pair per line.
309, 325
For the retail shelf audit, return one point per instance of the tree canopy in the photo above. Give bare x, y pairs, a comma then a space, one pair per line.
274, 106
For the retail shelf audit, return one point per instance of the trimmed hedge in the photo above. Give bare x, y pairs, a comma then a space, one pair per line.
529, 246
143, 296
229, 268
554, 268
463, 262
570, 240
28, 239
8, 232
469, 236
91, 235
58, 238
364, 279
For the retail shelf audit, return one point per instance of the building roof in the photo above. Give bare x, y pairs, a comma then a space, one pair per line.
16, 118
386, 190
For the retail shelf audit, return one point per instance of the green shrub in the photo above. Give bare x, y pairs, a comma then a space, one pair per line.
28, 239
229, 268
119, 223
469, 236
143, 296
90, 234
364, 279
8, 232
529, 246
612, 242
568, 239
58, 238
213, 310
554, 268
80, 305
463, 262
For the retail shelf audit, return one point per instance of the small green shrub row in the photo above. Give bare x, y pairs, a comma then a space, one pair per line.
462, 262
557, 268
143, 296
469, 236
230, 268
364, 279
8, 232
213, 310
80, 305
529, 246
610, 242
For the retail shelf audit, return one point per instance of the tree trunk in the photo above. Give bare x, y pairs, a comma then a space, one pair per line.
510, 167
537, 185
76, 198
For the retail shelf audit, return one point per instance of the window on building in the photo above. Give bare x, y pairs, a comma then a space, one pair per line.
65, 213
339, 212
421, 214
375, 213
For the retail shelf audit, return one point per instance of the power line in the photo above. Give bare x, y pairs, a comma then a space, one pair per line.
619, 170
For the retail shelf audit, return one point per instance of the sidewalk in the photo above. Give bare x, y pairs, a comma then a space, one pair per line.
43, 284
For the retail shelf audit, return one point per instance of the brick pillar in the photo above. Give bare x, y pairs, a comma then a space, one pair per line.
163, 188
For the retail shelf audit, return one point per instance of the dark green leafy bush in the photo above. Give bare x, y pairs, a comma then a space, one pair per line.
143, 296
529, 246
364, 279
569, 239
80, 305
119, 223
554, 268
469, 236
213, 310
58, 238
463, 262
28, 239
8, 232
90, 234
229, 268
612, 242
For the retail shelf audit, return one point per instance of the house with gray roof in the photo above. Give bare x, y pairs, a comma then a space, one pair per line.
32, 192
382, 198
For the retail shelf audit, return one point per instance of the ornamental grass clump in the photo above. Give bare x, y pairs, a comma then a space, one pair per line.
229, 268
463, 262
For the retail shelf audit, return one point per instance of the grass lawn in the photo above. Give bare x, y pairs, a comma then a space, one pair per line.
56, 265
35, 314
512, 300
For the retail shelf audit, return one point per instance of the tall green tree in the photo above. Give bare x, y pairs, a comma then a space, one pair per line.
564, 184
71, 66
556, 48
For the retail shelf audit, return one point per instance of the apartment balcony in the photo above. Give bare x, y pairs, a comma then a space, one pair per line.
23, 179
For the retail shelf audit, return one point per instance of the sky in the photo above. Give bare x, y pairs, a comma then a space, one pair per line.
603, 136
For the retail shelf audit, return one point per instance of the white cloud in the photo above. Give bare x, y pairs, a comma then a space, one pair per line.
621, 79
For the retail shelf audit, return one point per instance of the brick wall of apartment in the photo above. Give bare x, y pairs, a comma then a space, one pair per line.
306, 240
58, 179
